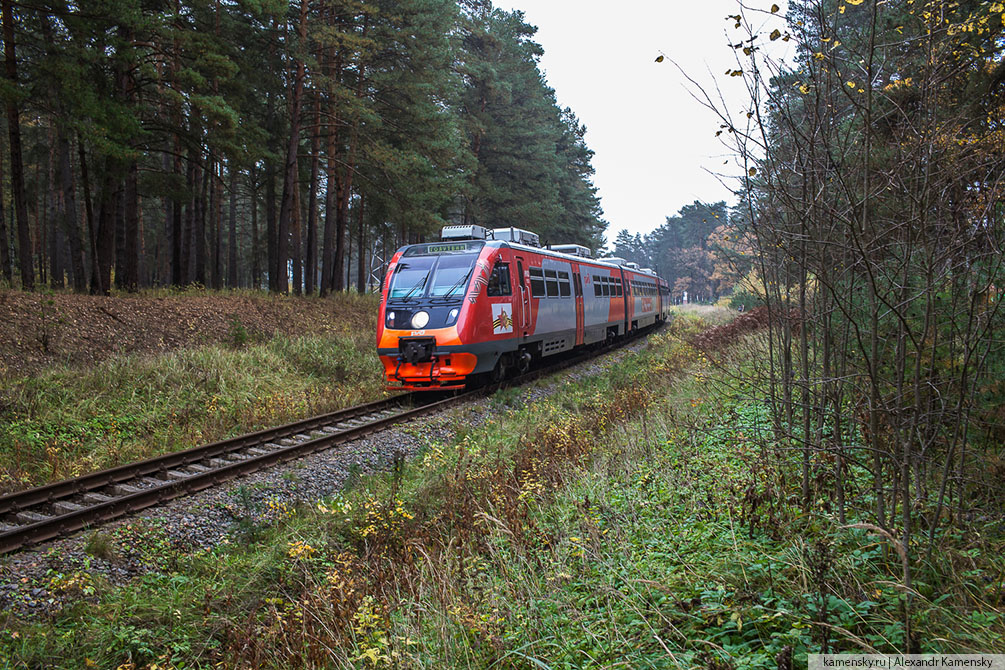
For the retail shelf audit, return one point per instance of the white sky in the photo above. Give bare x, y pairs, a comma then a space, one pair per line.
654, 143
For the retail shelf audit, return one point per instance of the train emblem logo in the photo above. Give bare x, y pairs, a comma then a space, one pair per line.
502, 322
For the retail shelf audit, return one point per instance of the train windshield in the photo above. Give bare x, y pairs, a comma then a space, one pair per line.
442, 277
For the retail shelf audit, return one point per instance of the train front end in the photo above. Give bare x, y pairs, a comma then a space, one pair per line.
423, 313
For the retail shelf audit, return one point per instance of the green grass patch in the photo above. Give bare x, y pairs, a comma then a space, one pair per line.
64, 423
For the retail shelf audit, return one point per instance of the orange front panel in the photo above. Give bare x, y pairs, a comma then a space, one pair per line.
450, 370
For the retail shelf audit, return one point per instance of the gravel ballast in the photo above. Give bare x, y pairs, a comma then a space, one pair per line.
32, 582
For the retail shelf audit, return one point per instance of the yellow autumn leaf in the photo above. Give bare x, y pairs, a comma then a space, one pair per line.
841, 9
804, 89
775, 34
850, 84
752, 171
659, 59
854, 2
774, 9
818, 56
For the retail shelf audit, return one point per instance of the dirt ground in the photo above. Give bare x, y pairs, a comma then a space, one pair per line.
38, 331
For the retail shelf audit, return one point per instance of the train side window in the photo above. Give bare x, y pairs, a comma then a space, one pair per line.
499, 283
617, 286
564, 287
605, 288
551, 282
596, 286
536, 283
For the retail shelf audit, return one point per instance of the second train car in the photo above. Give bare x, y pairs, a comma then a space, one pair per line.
480, 304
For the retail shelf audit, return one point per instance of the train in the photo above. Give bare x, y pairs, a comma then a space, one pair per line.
481, 304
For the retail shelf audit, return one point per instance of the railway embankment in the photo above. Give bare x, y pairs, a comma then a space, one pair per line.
637, 510
88, 383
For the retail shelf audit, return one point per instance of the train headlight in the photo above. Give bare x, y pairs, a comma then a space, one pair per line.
452, 315
390, 319
420, 320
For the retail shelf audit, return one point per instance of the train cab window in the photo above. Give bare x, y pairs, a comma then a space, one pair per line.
577, 283
551, 283
499, 283
617, 286
564, 287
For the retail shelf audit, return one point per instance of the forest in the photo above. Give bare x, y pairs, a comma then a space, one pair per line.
696, 251
287, 145
872, 199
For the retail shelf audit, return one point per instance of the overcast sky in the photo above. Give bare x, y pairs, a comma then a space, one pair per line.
654, 144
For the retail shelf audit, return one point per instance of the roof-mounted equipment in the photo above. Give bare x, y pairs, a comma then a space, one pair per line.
463, 233
613, 260
572, 250
517, 235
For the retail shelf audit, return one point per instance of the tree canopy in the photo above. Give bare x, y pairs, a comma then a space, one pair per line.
274, 142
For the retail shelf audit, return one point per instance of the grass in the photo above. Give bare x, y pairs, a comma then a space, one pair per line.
64, 423
641, 518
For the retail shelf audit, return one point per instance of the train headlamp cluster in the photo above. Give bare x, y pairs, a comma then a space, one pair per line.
420, 319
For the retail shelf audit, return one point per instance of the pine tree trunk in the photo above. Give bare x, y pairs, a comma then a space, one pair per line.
189, 224
5, 256
119, 259
333, 224
287, 208
16, 163
70, 224
216, 212
232, 234
271, 234
256, 269
52, 205
361, 261
92, 223
296, 255
131, 208
328, 247
312, 209
105, 235
199, 220
177, 232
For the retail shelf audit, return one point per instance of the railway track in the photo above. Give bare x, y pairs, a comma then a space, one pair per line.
47, 512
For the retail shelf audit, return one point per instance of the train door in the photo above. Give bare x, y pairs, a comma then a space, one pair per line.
524, 297
578, 290
624, 301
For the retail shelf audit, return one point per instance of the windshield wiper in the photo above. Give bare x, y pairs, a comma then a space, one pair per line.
460, 283
419, 284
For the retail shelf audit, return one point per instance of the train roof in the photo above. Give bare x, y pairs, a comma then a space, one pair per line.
528, 242
499, 244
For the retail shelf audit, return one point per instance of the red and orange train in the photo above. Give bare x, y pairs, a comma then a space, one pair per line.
480, 304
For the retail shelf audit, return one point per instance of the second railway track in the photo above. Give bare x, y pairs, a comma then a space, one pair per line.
54, 510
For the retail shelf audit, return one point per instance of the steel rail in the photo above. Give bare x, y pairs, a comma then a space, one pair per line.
208, 461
